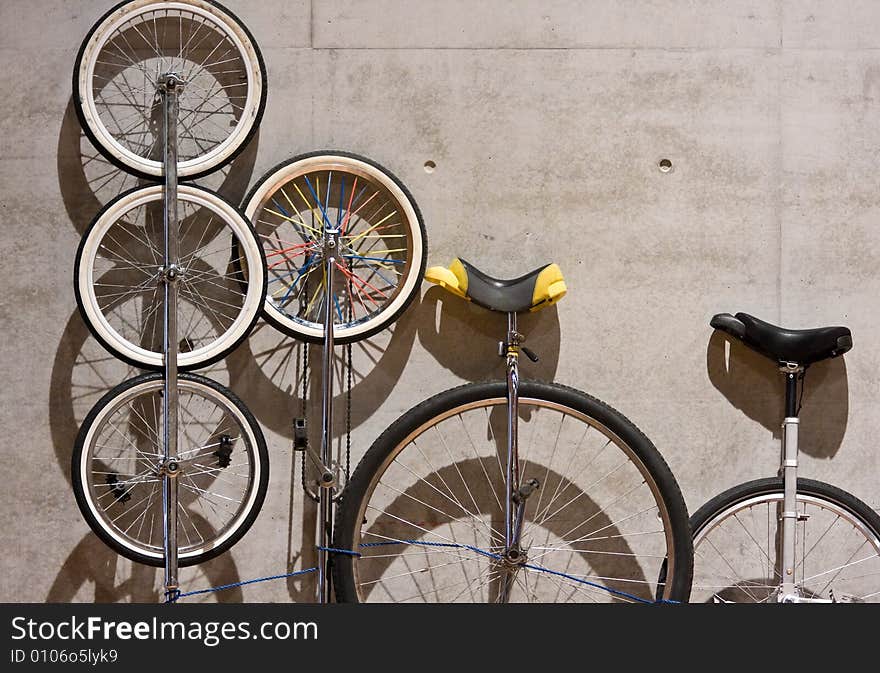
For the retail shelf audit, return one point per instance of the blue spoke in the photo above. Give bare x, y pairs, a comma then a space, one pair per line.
300, 274
317, 200
375, 270
303, 234
338, 310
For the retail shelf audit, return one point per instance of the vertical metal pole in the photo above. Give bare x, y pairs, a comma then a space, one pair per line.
511, 480
169, 86
789, 478
512, 476
325, 514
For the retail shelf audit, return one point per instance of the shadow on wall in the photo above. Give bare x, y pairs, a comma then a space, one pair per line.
754, 385
464, 338
83, 371
115, 579
267, 370
89, 182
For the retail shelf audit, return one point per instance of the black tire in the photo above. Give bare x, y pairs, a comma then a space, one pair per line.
79, 485
353, 503
77, 99
386, 320
719, 505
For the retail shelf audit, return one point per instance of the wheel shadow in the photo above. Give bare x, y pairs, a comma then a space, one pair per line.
93, 572
83, 371
612, 561
88, 182
753, 384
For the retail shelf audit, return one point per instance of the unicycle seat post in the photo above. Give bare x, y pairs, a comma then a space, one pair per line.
793, 373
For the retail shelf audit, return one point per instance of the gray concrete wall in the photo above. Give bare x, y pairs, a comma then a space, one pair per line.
546, 121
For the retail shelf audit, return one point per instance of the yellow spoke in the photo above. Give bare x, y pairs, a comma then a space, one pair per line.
290, 219
377, 252
315, 296
314, 209
292, 205
368, 230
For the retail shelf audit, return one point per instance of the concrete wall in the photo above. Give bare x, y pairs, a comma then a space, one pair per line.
546, 121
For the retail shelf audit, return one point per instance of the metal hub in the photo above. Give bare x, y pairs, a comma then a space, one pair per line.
515, 557
170, 468
170, 81
170, 274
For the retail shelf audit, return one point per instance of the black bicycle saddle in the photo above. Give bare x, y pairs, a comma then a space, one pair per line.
801, 346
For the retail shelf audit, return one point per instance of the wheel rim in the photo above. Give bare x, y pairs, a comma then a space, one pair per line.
218, 106
120, 288
217, 494
381, 245
597, 529
736, 558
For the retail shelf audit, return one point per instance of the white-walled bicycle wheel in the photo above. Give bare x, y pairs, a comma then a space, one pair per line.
382, 252
117, 459
117, 70
118, 277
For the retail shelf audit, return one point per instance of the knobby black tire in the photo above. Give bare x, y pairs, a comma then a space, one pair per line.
677, 587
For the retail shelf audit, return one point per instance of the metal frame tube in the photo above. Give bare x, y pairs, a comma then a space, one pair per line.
325, 507
789, 477
513, 510
512, 472
169, 86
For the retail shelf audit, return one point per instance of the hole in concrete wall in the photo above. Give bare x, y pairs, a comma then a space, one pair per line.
430, 166
665, 165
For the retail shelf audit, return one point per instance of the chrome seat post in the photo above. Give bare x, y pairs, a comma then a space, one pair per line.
789, 463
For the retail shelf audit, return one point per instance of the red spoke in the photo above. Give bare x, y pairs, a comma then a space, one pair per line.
363, 284
348, 209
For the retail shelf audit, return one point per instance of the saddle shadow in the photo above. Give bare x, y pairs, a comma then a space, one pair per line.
753, 384
463, 337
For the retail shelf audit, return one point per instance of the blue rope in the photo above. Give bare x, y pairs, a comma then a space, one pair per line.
174, 595
530, 566
334, 550
172, 599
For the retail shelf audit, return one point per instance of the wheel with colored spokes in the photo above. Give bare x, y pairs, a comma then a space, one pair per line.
117, 70
116, 469
119, 287
381, 255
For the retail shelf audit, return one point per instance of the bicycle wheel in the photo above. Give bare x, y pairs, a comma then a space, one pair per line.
425, 507
118, 285
383, 246
737, 538
222, 452
117, 70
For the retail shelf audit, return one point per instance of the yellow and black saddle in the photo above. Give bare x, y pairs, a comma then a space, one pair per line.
535, 290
